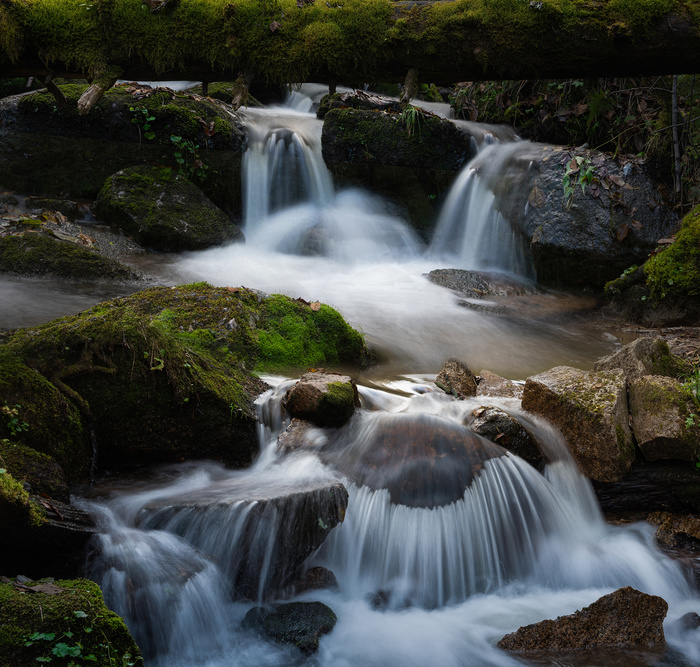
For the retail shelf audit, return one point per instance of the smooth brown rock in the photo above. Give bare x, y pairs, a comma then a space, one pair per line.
491, 384
326, 399
675, 530
660, 408
455, 378
643, 356
591, 411
626, 618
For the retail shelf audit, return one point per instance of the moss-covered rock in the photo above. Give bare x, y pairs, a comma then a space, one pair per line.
70, 617
16, 507
644, 356
162, 375
39, 254
591, 411
38, 470
325, 399
49, 150
163, 210
661, 410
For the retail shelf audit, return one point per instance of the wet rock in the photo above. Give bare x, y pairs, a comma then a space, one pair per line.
498, 426
163, 210
623, 619
300, 624
644, 356
455, 378
689, 621
39, 470
676, 530
264, 536
591, 236
357, 99
326, 399
591, 411
67, 207
299, 435
660, 409
421, 459
39, 254
478, 284
491, 384
316, 578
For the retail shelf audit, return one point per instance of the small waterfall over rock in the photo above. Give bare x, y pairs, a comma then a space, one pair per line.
478, 225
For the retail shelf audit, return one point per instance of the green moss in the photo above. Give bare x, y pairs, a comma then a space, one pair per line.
39, 470
15, 504
674, 273
76, 615
292, 335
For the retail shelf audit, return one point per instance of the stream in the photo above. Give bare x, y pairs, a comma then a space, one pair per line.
518, 546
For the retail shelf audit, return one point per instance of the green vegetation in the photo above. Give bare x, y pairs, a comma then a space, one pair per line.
16, 508
67, 625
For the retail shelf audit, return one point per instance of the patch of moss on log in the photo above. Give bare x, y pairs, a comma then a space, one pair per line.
379, 39
37, 254
75, 615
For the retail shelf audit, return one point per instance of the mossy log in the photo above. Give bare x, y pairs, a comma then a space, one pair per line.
352, 40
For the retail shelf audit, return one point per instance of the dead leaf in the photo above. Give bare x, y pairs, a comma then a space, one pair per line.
275, 26
573, 166
622, 231
636, 224
86, 240
616, 180
594, 189
235, 290
47, 589
316, 305
536, 198
579, 109
302, 301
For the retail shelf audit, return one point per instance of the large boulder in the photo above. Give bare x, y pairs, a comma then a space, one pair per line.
294, 523
163, 210
676, 530
53, 151
300, 624
591, 411
326, 399
626, 619
67, 615
662, 418
644, 356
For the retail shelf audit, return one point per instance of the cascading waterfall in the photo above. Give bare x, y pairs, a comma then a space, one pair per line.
518, 546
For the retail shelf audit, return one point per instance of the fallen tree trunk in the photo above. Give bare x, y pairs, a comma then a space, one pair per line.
349, 40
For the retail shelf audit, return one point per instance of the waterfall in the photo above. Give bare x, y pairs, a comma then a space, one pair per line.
478, 225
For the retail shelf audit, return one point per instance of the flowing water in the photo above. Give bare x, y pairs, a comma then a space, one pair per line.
433, 584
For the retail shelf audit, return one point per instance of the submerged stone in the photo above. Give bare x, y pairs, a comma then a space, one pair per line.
623, 619
421, 459
301, 624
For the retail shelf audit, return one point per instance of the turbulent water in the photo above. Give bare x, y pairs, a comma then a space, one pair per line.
418, 586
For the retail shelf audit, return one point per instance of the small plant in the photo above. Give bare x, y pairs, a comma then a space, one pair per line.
412, 117
13, 422
187, 157
142, 118
579, 172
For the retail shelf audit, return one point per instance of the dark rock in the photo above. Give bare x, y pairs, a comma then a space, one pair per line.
479, 284
456, 379
316, 578
593, 236
300, 624
67, 207
162, 210
660, 409
644, 356
423, 460
498, 426
326, 399
491, 384
623, 619
689, 621
294, 523
590, 409
296, 436
676, 530
357, 99
39, 470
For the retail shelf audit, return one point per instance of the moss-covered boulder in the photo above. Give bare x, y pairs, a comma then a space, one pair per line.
300, 624
644, 356
162, 375
53, 151
59, 621
163, 210
16, 508
591, 411
663, 416
37, 470
40, 254
326, 399
666, 288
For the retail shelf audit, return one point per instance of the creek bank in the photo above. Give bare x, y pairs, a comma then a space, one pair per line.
52, 151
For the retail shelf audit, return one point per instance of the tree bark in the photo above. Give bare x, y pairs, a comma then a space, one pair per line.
351, 40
